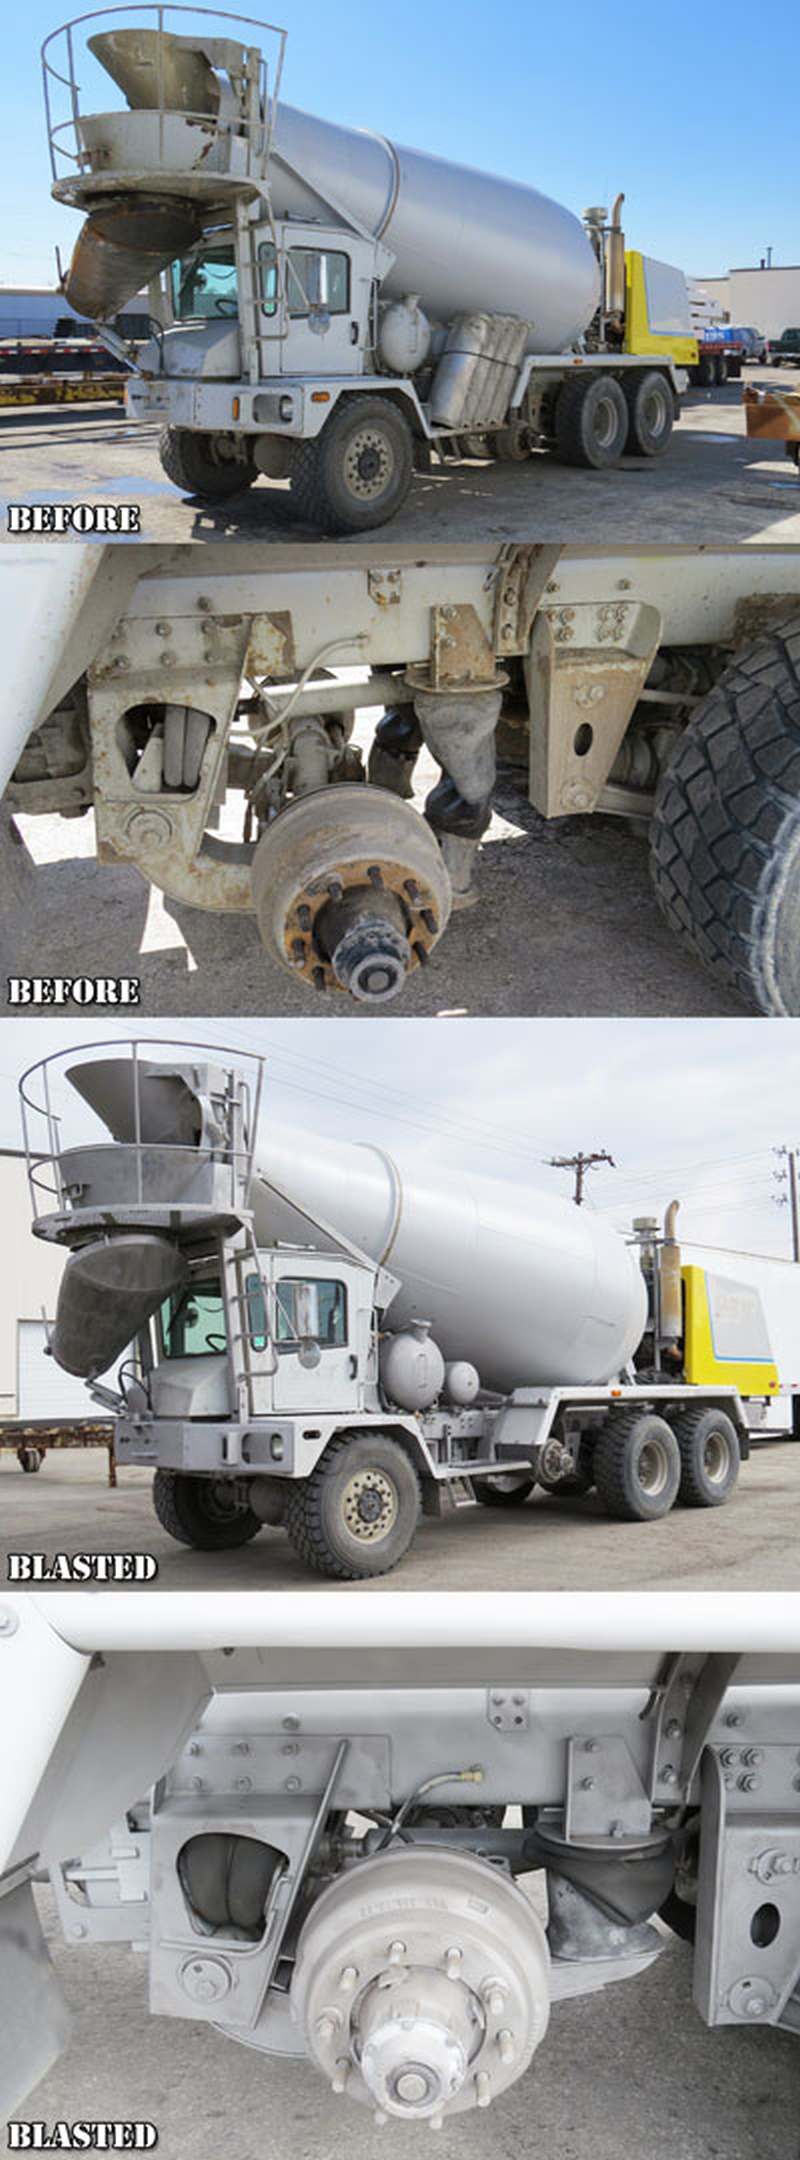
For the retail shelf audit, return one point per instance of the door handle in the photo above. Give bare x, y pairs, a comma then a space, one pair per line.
354, 333
352, 1367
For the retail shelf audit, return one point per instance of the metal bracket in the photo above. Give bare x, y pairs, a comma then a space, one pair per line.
520, 581
686, 1705
747, 1960
385, 587
584, 671
509, 1709
605, 1795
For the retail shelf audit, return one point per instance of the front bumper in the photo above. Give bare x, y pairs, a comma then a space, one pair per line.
208, 1447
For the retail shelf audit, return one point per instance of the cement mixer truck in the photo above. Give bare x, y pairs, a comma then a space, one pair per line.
312, 1336
331, 308
395, 1851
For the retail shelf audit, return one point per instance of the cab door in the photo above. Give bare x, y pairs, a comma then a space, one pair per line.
325, 1370
324, 305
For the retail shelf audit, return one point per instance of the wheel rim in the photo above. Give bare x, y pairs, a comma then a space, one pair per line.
653, 1467
655, 413
716, 1458
369, 464
369, 1505
605, 423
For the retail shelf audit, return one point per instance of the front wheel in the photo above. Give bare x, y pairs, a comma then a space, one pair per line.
214, 466
358, 472
356, 1514
30, 1459
710, 1457
637, 1466
651, 412
591, 421
207, 1513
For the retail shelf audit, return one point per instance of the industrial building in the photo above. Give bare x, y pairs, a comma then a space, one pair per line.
31, 1385
766, 295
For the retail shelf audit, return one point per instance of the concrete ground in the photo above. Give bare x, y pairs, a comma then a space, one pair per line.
549, 1544
713, 484
566, 922
627, 2074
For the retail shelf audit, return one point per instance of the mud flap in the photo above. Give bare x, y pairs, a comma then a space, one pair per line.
36, 2022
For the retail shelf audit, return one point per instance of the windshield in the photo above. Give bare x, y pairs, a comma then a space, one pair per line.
204, 283
193, 1322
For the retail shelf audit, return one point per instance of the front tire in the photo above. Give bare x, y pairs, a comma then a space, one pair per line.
356, 1515
206, 1513
30, 1459
214, 466
710, 1457
591, 421
651, 413
637, 1466
725, 833
358, 472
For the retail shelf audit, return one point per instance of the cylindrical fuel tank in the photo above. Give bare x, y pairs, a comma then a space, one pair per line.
464, 241
521, 1283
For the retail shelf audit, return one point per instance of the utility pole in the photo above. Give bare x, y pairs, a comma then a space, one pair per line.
789, 1155
580, 1163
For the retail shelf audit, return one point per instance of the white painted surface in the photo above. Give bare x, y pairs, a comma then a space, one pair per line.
43, 1390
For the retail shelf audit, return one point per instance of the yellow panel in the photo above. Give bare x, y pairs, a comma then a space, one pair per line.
701, 1365
639, 338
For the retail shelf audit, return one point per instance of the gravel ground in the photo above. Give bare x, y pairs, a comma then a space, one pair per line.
751, 1544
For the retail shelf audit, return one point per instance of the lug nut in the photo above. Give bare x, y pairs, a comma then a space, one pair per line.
453, 1960
505, 2043
483, 2089
340, 2075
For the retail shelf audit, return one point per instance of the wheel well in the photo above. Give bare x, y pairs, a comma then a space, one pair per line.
393, 396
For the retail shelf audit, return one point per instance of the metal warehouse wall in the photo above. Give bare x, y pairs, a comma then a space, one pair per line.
769, 299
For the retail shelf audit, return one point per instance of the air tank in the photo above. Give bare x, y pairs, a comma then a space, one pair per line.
523, 1284
464, 241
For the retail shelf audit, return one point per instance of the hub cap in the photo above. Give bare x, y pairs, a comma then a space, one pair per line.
653, 1467
369, 1505
368, 464
716, 1458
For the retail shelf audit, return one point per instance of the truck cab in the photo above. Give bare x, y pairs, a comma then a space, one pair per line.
307, 1339
278, 298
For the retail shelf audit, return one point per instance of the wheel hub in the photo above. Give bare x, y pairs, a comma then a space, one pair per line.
351, 891
421, 1983
368, 465
369, 1505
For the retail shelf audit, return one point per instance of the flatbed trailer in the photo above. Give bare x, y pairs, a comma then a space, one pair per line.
61, 390
30, 1439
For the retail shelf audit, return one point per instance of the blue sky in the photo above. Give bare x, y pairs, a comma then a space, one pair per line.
688, 109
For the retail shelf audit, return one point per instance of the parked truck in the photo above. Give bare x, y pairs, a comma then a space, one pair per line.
329, 307
204, 706
317, 1336
393, 1851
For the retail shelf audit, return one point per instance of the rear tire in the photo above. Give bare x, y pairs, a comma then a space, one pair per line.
510, 1490
637, 1466
706, 372
720, 371
709, 1451
356, 1515
203, 1512
30, 1459
358, 472
215, 466
591, 421
725, 833
651, 413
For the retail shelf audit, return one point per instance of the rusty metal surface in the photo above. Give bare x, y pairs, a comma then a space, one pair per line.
271, 646
772, 415
461, 652
315, 851
758, 613
521, 580
63, 390
584, 672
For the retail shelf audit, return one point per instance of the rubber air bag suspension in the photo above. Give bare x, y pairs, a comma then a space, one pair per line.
108, 1291
460, 729
226, 1880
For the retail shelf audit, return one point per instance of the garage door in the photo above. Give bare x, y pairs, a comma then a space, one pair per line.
45, 1391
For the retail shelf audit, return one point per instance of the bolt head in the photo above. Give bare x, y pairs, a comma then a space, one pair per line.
672, 1729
